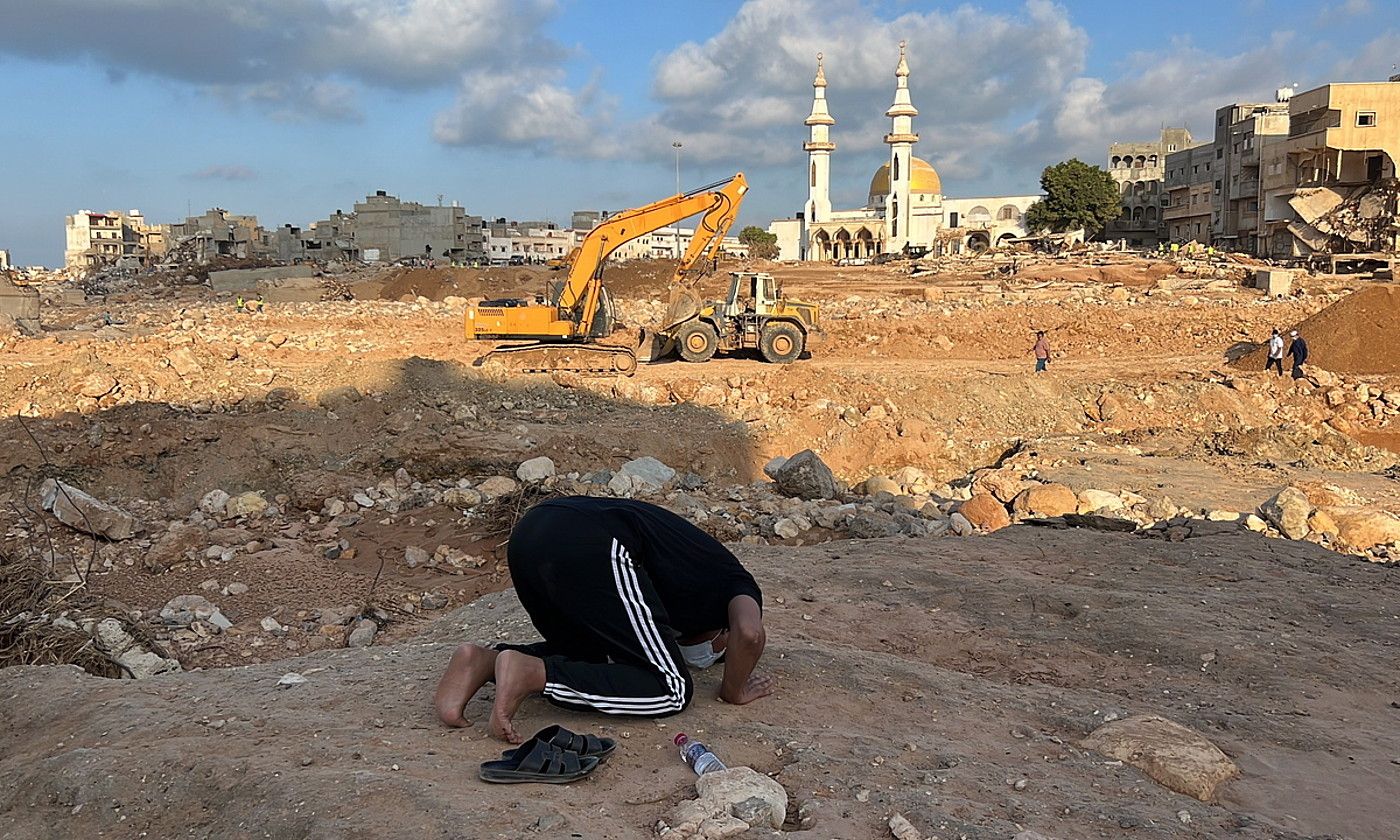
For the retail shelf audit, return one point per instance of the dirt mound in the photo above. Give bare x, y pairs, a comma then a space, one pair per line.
438, 283
986, 662
1354, 335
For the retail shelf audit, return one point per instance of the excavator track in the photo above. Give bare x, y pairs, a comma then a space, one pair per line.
541, 357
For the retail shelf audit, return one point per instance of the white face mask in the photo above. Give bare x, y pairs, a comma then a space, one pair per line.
702, 655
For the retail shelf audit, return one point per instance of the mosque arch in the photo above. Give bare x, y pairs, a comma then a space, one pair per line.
979, 214
1151, 213
1141, 162
842, 244
865, 243
1008, 213
979, 242
1002, 240
1127, 188
1152, 160
1117, 161
1137, 214
822, 242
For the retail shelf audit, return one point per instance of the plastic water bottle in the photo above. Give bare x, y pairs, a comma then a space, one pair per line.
698, 756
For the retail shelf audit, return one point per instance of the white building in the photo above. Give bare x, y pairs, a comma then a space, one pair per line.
669, 244
906, 210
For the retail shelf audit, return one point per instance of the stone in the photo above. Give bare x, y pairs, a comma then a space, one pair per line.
1174, 756
142, 663
909, 478
336, 616
236, 589
182, 610
250, 503
363, 634
271, 625
876, 484
872, 525
535, 470
647, 474
338, 399
182, 361
433, 601
1222, 516
85, 513
112, 637
1095, 500
902, 829
413, 557
933, 294
789, 527
984, 512
960, 526
1045, 500
461, 497
214, 503
1288, 512
1255, 524
96, 385
496, 487
620, 485
774, 464
1003, 485
1161, 508
1365, 528
723, 793
805, 476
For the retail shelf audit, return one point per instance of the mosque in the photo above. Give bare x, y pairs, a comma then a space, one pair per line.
906, 211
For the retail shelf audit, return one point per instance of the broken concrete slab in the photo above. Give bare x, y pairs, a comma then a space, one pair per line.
256, 279
90, 515
19, 302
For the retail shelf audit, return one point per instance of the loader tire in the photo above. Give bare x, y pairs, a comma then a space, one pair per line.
697, 342
780, 342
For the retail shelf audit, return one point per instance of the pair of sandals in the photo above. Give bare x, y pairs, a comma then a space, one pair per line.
552, 756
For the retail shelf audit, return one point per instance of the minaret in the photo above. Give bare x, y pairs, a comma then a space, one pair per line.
819, 147
901, 140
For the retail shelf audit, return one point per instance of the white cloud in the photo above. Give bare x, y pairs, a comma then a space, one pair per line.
1374, 62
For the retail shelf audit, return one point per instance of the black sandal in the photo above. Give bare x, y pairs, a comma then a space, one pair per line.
585, 745
544, 763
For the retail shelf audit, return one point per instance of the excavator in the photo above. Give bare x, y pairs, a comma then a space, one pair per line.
571, 327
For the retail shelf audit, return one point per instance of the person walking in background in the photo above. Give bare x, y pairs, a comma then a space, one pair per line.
1298, 351
1042, 351
1275, 352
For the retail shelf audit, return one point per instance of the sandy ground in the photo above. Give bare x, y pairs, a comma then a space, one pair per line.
916, 676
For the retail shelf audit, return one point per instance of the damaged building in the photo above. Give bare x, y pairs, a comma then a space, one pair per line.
1331, 187
1139, 170
94, 239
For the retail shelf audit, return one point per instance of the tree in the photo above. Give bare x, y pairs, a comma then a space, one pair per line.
762, 244
1077, 194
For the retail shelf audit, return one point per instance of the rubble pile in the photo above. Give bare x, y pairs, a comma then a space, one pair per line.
1358, 219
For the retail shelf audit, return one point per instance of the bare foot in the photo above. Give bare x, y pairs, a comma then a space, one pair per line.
518, 675
755, 686
472, 666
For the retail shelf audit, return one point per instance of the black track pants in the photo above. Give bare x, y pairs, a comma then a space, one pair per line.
607, 642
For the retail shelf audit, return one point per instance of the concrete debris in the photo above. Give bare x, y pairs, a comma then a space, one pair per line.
78, 510
725, 795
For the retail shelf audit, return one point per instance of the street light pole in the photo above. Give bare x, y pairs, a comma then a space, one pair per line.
677, 146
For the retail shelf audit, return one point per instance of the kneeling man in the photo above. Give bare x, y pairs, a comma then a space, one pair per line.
626, 595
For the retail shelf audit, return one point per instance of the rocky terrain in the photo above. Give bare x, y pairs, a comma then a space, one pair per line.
326, 489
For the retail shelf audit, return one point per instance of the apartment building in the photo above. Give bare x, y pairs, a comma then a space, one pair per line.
1139, 169
1243, 133
95, 239
1189, 184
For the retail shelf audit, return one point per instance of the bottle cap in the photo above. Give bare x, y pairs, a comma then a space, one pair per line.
681, 738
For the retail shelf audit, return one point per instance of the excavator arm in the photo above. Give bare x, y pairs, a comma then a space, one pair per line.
719, 202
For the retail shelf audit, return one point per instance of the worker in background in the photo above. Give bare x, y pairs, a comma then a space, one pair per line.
1298, 351
238, 304
1275, 352
256, 307
1042, 351
627, 596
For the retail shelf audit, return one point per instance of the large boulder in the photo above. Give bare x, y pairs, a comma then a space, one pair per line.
1096, 500
805, 476
1004, 485
985, 512
1364, 528
1170, 754
1288, 511
1045, 500
535, 470
77, 509
877, 484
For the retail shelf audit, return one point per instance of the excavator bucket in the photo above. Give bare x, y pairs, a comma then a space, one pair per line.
654, 345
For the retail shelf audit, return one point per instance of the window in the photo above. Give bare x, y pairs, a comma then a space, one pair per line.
1365, 119
1219, 153
1217, 187
1196, 169
814, 173
895, 174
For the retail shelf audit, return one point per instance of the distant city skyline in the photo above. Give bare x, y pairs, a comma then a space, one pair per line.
530, 109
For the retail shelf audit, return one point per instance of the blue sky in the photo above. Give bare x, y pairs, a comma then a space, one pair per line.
528, 109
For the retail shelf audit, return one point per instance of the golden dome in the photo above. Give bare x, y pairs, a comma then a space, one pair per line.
923, 180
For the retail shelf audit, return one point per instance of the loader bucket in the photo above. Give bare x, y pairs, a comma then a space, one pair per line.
654, 345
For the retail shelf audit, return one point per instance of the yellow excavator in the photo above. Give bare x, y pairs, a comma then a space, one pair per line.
571, 327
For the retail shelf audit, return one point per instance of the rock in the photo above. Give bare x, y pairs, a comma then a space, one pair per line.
1094, 500
1109, 407
535, 470
872, 525
338, 399
1003, 485
620, 485
1255, 524
433, 601
496, 487
461, 497
910, 478
647, 474
250, 503
774, 464
214, 503
723, 795
142, 663
85, 513
271, 625
182, 361
363, 634
336, 616
1172, 755
984, 512
1222, 516
1161, 508
1045, 500
183, 610
933, 293
791, 526
1364, 528
236, 589
413, 557
877, 484
1321, 522
805, 476
902, 829
960, 525
1288, 512
96, 385
112, 637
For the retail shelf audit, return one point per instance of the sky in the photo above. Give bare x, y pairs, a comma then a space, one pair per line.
530, 109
